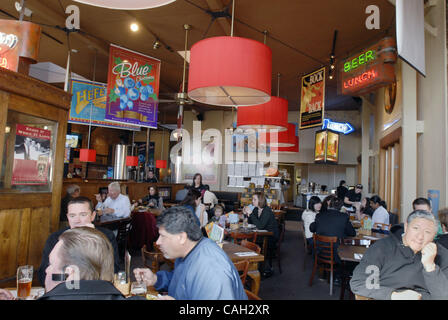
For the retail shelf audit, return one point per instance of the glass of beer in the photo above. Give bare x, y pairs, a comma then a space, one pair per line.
138, 289
24, 281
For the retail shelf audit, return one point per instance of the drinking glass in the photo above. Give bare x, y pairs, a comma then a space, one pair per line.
138, 288
24, 281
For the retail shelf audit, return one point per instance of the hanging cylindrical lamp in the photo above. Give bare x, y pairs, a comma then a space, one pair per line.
161, 164
293, 149
270, 115
284, 138
230, 71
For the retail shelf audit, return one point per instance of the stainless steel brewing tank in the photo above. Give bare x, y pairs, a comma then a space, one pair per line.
120, 151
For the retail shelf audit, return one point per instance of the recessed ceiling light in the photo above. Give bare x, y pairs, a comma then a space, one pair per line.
134, 27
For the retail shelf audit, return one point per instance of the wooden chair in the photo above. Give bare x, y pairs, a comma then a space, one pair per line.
169, 262
152, 260
251, 245
324, 256
242, 267
305, 242
237, 237
277, 253
358, 297
251, 295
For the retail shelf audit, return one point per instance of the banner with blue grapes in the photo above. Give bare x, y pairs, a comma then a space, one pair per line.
132, 88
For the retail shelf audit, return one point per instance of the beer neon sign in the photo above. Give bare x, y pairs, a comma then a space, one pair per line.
3, 63
9, 40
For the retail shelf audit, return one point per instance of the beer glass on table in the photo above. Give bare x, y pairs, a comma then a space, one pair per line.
138, 289
24, 281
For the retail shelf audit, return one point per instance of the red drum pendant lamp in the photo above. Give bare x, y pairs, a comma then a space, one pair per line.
270, 115
284, 138
230, 71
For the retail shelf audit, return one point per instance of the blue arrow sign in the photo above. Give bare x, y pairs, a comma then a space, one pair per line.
342, 127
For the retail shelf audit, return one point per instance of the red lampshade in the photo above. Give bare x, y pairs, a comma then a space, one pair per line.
131, 161
160, 164
285, 138
230, 71
87, 155
269, 115
292, 149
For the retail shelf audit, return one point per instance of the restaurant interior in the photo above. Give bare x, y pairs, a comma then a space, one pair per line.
254, 95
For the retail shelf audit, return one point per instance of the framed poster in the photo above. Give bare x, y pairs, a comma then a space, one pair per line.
32, 151
312, 101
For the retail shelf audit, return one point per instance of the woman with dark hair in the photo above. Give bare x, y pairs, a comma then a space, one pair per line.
326, 202
152, 199
197, 184
192, 201
380, 215
364, 209
264, 219
309, 215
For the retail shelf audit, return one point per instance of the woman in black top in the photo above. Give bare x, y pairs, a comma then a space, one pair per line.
264, 219
152, 198
197, 184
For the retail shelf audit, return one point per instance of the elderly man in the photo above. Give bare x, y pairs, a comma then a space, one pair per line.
116, 205
202, 270
80, 214
81, 268
405, 266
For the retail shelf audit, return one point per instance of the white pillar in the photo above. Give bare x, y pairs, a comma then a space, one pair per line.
409, 141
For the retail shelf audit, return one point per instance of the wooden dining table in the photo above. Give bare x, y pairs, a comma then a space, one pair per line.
231, 249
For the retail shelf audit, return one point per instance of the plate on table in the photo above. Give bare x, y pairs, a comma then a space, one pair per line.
251, 226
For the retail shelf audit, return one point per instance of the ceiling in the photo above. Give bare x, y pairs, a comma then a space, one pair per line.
300, 34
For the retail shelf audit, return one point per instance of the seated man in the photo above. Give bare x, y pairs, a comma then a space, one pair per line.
203, 271
443, 219
73, 191
80, 268
209, 197
116, 206
80, 214
406, 265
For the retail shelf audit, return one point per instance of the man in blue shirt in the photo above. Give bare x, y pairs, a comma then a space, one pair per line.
202, 270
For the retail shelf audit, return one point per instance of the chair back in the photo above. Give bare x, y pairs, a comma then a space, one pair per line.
275, 206
324, 249
393, 218
381, 226
251, 295
151, 260
251, 245
242, 267
237, 237
302, 230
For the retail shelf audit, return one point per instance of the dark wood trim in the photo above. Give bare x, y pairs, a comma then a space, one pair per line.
26, 86
391, 138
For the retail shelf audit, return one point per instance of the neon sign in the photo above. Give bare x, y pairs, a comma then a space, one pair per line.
363, 58
3, 63
341, 127
9, 40
361, 79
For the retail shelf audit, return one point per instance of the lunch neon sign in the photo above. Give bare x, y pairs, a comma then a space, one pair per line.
341, 127
361, 79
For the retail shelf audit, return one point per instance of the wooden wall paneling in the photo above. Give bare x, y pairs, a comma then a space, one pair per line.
34, 108
58, 167
24, 237
389, 175
27, 200
10, 232
39, 232
4, 100
382, 182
